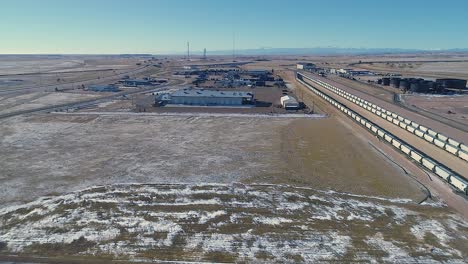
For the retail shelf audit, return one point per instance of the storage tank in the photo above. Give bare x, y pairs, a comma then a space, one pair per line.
405, 84
421, 86
434, 86
414, 87
386, 81
438, 88
452, 83
425, 86
395, 82
430, 85
413, 80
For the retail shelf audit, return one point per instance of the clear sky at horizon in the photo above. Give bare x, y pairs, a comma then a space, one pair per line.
164, 26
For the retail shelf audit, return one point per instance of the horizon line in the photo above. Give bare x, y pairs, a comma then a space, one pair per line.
229, 52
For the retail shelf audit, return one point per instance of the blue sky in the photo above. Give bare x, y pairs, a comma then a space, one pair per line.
164, 26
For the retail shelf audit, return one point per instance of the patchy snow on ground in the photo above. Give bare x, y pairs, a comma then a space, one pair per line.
395, 253
232, 222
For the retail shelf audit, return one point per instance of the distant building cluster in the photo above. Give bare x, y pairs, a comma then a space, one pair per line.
230, 77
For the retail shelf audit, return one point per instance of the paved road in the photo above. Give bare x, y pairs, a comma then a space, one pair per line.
452, 162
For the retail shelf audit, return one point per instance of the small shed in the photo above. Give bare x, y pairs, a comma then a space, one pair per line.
289, 103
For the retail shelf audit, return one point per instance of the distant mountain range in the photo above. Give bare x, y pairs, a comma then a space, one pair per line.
326, 51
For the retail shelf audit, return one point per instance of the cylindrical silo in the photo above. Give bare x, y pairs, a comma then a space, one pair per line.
386, 81
405, 84
421, 86
452, 83
438, 88
414, 87
395, 82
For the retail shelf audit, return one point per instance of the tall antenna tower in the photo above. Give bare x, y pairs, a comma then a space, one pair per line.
188, 50
233, 47
204, 53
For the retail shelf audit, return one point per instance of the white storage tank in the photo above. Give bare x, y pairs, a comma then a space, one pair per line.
289, 103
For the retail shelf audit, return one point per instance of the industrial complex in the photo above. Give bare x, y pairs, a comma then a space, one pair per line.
171, 132
197, 158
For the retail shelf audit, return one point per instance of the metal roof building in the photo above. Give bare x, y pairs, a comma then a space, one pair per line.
289, 103
103, 88
208, 97
136, 82
305, 66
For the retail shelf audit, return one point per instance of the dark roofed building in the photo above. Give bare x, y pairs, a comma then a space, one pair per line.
103, 88
207, 97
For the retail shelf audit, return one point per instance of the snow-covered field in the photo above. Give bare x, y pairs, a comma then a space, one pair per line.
11, 64
16, 66
232, 223
59, 153
40, 99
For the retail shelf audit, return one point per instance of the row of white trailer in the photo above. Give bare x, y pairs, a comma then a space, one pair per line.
448, 144
458, 182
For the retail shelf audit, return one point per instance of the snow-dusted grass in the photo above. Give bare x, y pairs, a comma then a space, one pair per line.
40, 99
58, 156
235, 222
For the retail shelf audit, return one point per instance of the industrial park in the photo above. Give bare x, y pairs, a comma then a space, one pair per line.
164, 116
233, 154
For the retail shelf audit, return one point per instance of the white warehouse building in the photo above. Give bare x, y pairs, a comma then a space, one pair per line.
207, 97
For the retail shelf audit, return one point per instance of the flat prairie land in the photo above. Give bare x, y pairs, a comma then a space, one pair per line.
231, 223
451, 107
43, 154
